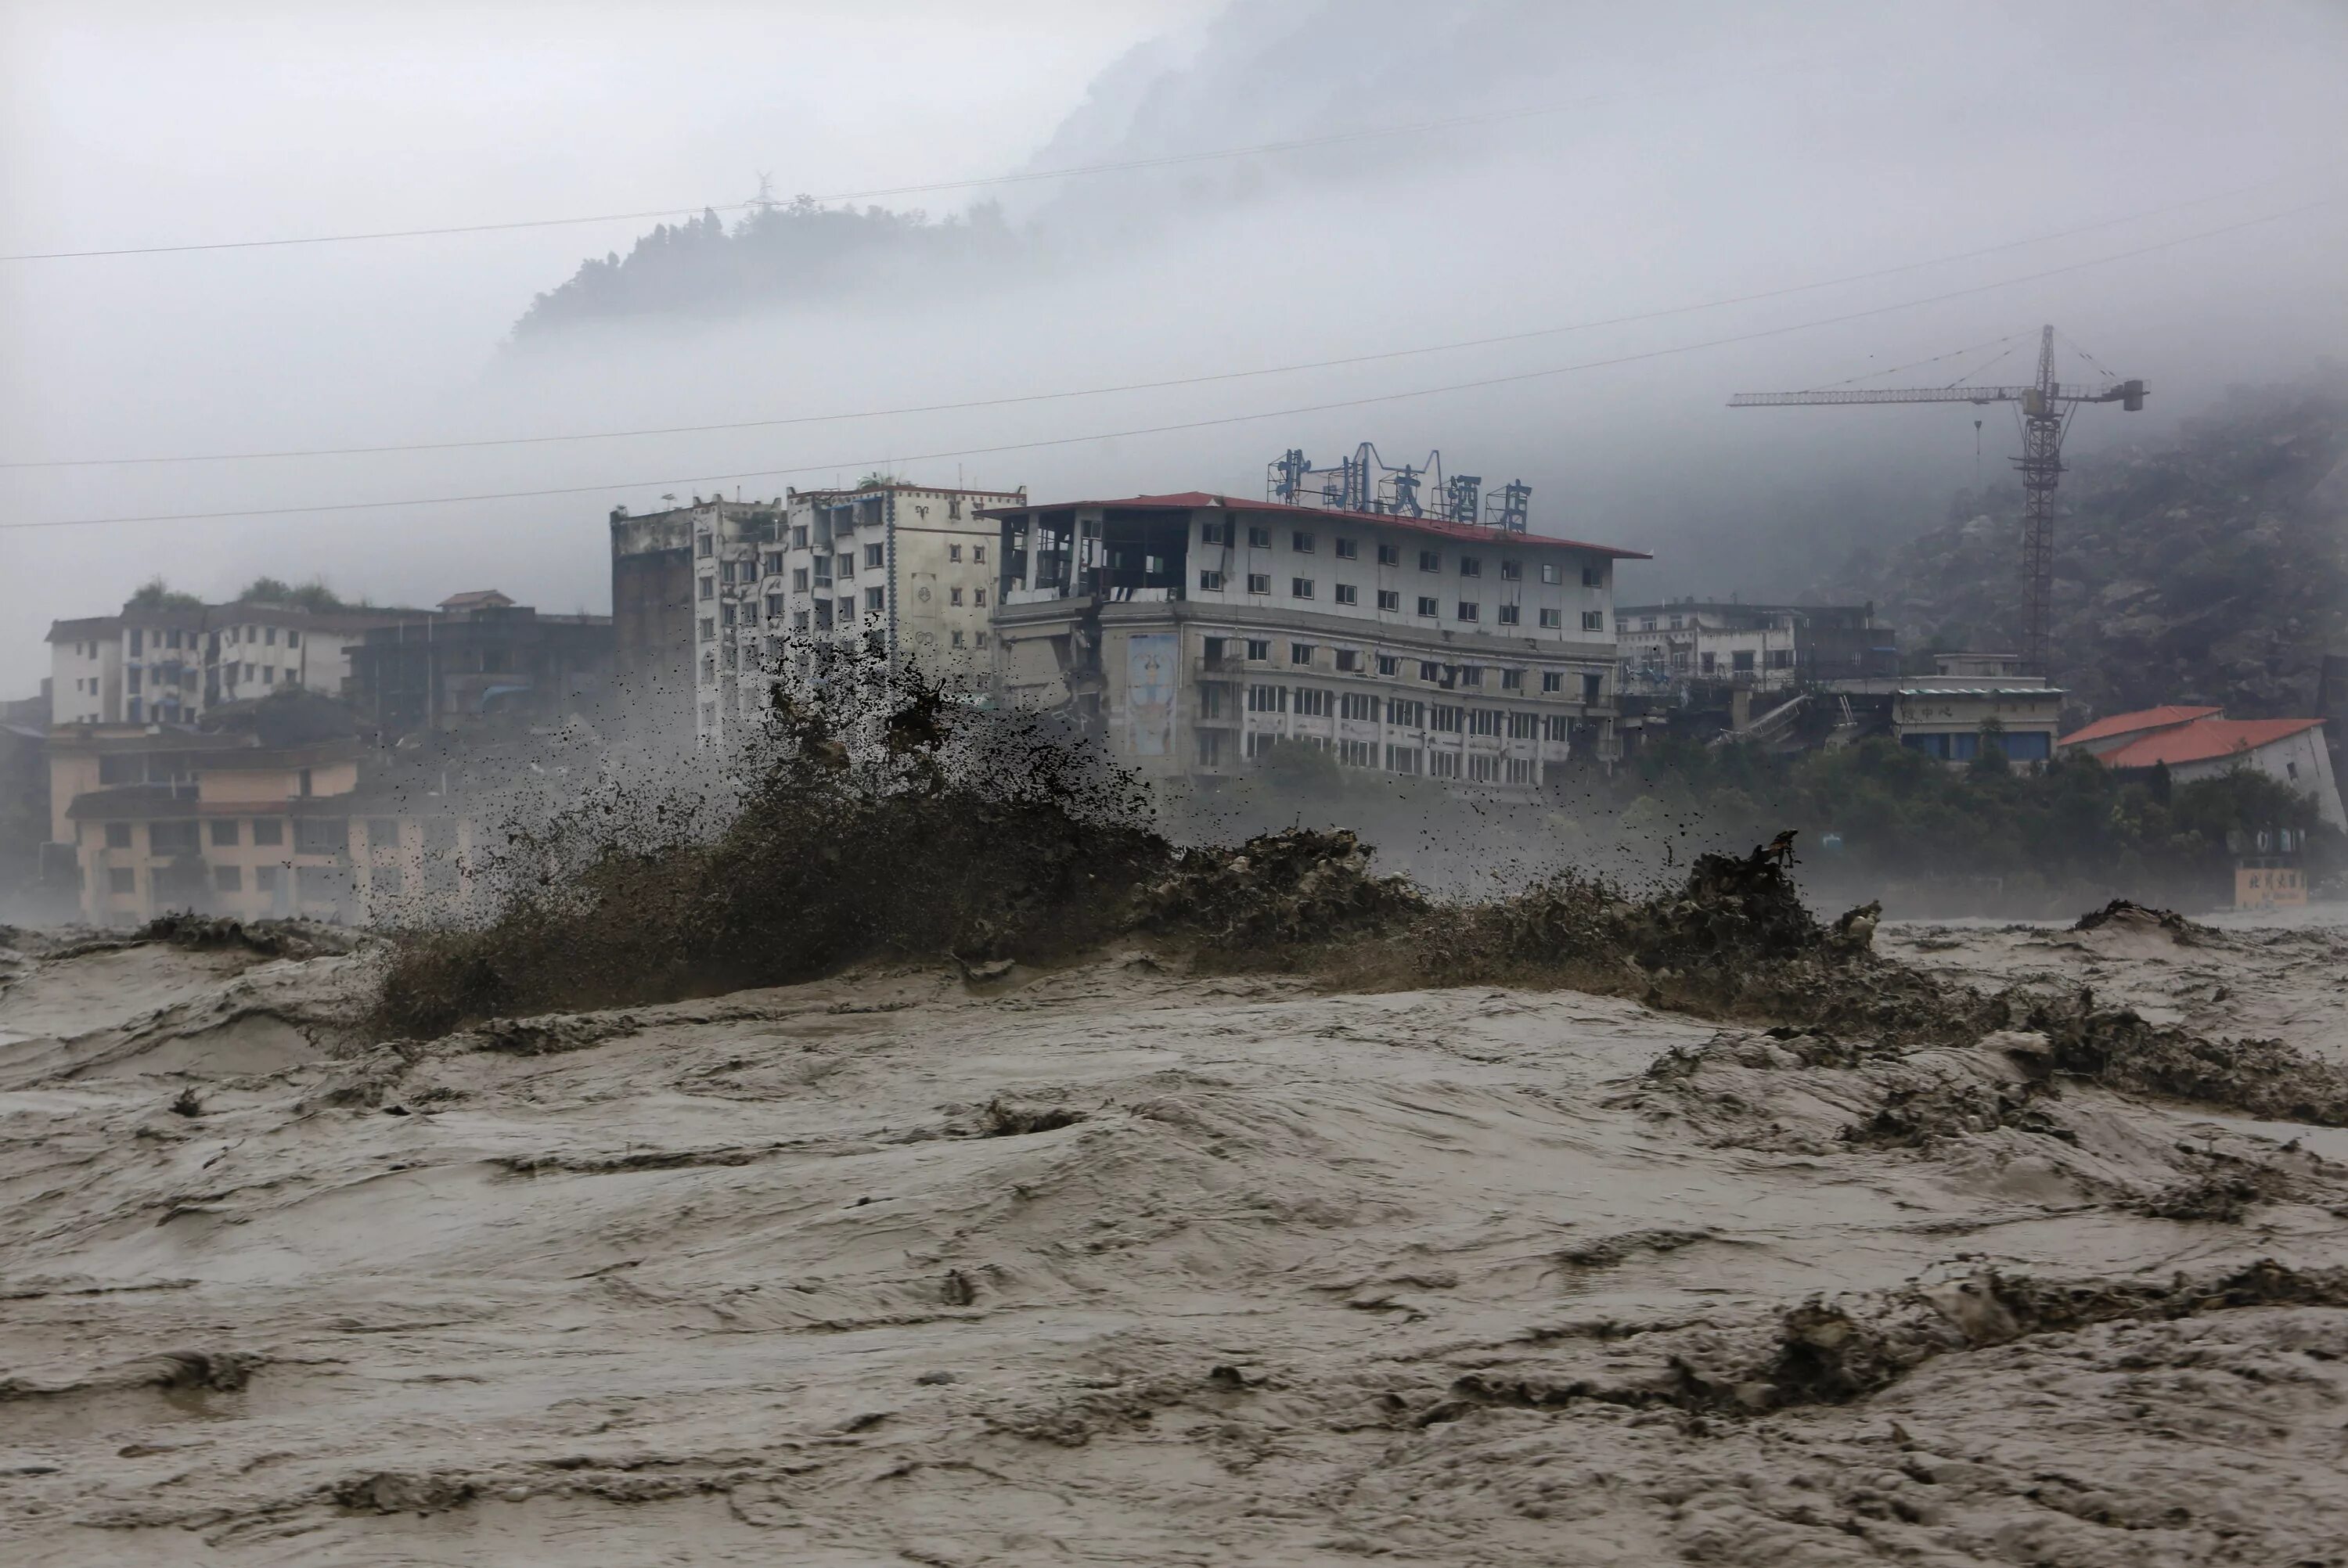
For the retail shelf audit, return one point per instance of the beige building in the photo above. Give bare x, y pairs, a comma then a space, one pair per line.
1195, 632
220, 824
907, 563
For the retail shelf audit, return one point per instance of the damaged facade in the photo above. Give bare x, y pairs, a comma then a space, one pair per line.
1195, 632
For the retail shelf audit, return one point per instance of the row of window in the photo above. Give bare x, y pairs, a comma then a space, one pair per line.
312, 835
1468, 610
1401, 712
1304, 541
1349, 661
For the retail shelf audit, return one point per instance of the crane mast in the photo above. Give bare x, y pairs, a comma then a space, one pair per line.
2046, 407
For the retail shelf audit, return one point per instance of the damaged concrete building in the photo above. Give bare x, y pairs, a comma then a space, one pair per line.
1195, 632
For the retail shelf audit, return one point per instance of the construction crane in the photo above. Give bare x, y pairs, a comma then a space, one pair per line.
2047, 405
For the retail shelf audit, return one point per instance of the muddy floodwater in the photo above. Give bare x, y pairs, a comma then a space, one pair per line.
1116, 1262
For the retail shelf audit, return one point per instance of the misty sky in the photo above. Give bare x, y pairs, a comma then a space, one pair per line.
1687, 153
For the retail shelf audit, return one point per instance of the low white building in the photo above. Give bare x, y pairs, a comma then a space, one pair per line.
910, 565
2199, 743
1972, 701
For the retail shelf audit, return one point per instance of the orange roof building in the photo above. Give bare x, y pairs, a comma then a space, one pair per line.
2202, 743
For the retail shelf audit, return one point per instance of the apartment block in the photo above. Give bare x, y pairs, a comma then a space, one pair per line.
905, 567
170, 665
1194, 633
1756, 647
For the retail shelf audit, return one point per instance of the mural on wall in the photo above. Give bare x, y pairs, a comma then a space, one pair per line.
1149, 692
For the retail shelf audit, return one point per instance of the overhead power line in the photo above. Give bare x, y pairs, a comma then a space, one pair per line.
835, 466
1016, 177
1342, 362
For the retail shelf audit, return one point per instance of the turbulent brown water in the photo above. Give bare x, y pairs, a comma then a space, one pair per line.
1168, 1205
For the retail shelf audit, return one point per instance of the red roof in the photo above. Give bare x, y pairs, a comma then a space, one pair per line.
2162, 718
1186, 501
2204, 740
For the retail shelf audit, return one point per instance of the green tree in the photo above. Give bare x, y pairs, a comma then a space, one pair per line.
156, 594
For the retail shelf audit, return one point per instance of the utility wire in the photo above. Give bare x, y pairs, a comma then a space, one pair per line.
1222, 421
1020, 177
1158, 386
1916, 364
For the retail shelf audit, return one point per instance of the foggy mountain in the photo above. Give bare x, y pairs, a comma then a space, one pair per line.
2211, 567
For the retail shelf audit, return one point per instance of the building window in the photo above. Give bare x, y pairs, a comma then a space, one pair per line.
772, 566
799, 579
1506, 614
1552, 681
1484, 770
724, 615
1593, 577
799, 537
705, 547
268, 832
1469, 566
1740, 661
1300, 653
1390, 554
1406, 712
876, 599
121, 879
1706, 661
1302, 541
1312, 702
1442, 764
1553, 620
1359, 707
1259, 582
1428, 606
978, 555
1781, 659
709, 587
1430, 671
845, 564
957, 639
1389, 599
1467, 609
1388, 664
954, 596
1510, 570
875, 556
1349, 661
774, 608
269, 637
1211, 582
1347, 549
292, 639
224, 833
265, 879
228, 878
978, 596
1512, 680
1524, 726
1214, 533
1299, 588
1267, 699
1595, 621
1259, 649
1593, 688
1450, 721
1347, 593
1402, 760
321, 835
1259, 538
954, 554
118, 835
1430, 561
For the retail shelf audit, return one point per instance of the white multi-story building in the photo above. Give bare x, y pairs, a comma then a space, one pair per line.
168, 665
1197, 631
908, 565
